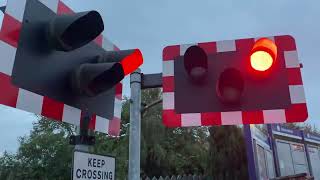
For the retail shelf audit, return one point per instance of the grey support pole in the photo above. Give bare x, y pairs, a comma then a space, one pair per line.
81, 139
83, 131
135, 126
81, 147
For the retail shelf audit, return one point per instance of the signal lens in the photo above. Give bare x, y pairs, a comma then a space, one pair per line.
196, 64
263, 54
230, 85
132, 62
261, 61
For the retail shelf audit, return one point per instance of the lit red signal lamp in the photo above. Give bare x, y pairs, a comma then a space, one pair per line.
263, 55
131, 62
109, 69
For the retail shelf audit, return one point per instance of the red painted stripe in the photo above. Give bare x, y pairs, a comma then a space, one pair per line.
168, 84
297, 113
114, 127
171, 52
118, 91
92, 124
285, 43
119, 88
294, 76
52, 109
211, 118
171, 119
252, 117
63, 9
245, 45
209, 47
8, 93
10, 30
98, 40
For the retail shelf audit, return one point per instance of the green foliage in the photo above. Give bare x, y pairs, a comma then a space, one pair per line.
167, 151
45, 154
227, 153
117, 147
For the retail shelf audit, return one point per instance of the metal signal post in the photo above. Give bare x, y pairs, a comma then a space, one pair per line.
138, 81
135, 126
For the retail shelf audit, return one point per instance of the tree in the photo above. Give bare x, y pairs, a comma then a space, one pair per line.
117, 147
45, 154
227, 153
168, 151
7, 166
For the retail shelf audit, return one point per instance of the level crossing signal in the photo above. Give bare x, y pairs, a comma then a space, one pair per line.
244, 81
56, 63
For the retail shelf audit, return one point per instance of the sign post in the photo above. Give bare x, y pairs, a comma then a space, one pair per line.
83, 140
93, 166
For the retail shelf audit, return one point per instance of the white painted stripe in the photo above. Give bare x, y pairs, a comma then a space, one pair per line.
102, 124
168, 100
15, 8
231, 118
29, 101
297, 94
291, 59
168, 68
52, 4
7, 56
107, 45
184, 47
71, 115
270, 37
191, 119
274, 116
224, 46
117, 108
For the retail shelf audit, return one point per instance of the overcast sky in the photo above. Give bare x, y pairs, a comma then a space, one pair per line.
153, 24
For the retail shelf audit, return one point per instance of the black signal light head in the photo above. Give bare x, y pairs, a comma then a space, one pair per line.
71, 31
196, 64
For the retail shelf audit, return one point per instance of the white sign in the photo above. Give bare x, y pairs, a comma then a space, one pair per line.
93, 166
